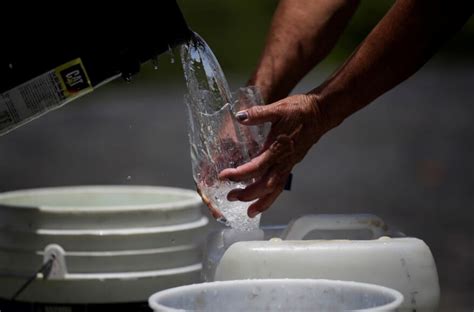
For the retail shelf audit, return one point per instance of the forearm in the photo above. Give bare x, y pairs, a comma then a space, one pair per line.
302, 33
404, 40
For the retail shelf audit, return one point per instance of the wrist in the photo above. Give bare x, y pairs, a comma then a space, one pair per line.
327, 117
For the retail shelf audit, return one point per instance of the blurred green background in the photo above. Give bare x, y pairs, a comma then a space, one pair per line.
236, 32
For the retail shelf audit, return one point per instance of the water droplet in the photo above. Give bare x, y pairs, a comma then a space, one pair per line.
127, 78
155, 62
170, 52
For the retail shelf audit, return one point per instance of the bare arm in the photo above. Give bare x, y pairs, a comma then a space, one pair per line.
405, 39
302, 33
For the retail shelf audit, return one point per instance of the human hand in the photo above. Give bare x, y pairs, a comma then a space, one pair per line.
297, 124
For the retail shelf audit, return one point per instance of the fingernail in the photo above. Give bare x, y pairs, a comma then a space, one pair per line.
241, 116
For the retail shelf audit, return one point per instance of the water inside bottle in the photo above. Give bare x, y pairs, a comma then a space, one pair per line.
216, 139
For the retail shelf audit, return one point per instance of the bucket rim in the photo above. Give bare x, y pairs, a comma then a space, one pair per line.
189, 198
395, 294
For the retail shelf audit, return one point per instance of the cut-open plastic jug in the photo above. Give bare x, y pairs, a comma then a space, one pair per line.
359, 247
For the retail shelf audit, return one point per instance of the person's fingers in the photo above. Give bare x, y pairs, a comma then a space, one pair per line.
263, 203
259, 114
251, 192
272, 180
278, 153
256, 167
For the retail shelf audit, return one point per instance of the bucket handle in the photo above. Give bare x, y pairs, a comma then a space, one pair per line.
59, 268
300, 227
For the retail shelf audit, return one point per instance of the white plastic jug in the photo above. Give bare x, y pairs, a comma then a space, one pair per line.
277, 295
402, 263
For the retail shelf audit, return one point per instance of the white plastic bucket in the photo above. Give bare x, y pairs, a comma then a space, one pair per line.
277, 295
98, 207
111, 243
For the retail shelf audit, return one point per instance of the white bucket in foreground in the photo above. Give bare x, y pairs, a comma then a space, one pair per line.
277, 295
107, 244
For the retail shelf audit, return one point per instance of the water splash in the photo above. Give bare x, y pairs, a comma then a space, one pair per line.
155, 61
235, 212
203, 72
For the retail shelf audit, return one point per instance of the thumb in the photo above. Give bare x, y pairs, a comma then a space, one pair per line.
258, 115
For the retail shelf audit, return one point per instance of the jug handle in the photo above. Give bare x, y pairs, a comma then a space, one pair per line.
300, 227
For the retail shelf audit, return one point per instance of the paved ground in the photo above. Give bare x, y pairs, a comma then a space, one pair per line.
407, 158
